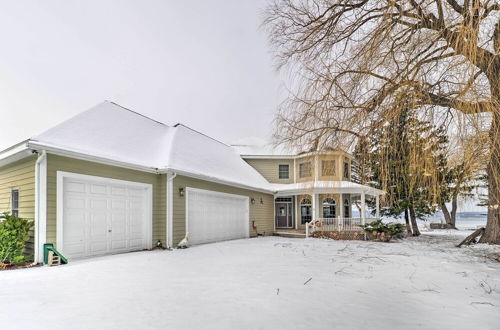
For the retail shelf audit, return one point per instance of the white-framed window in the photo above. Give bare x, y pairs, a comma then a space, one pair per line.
329, 208
305, 169
347, 170
305, 210
327, 167
14, 209
347, 208
284, 171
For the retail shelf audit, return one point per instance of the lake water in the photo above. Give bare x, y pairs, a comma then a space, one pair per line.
465, 220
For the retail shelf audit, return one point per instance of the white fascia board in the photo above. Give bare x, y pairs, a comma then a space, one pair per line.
324, 190
15, 153
216, 180
306, 154
81, 156
267, 156
21, 146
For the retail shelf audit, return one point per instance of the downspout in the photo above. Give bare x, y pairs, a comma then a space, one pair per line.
39, 216
170, 209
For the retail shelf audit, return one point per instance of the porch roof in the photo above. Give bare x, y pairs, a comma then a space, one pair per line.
325, 187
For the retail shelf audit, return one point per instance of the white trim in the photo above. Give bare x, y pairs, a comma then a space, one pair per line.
217, 193
220, 181
15, 149
61, 175
283, 164
327, 190
296, 211
40, 206
294, 170
170, 209
96, 159
316, 168
295, 156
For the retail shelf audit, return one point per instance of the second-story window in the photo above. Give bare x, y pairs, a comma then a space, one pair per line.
305, 170
346, 170
327, 167
284, 171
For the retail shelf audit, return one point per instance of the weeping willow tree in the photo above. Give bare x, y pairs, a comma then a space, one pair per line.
354, 64
392, 155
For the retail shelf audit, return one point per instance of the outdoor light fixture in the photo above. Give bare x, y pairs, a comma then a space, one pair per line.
261, 201
181, 192
252, 200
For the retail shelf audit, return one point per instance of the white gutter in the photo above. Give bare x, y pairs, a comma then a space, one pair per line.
216, 180
170, 209
96, 159
40, 206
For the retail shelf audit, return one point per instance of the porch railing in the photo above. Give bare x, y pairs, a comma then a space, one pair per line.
336, 224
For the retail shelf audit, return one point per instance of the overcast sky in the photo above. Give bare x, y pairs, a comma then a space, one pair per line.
202, 63
206, 64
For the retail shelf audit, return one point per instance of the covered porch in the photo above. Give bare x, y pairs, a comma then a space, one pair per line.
324, 205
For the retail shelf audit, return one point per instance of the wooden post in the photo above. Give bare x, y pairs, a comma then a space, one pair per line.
377, 202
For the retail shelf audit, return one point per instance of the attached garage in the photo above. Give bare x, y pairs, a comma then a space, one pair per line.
98, 216
214, 216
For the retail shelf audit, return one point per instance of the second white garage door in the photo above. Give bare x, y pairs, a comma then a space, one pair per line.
99, 216
213, 216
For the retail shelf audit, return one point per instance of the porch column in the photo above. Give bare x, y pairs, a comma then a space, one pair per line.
296, 210
363, 208
377, 203
313, 207
341, 206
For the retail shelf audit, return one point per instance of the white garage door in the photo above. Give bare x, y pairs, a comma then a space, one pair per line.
102, 216
214, 216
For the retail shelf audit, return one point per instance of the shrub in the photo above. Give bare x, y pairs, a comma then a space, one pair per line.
13, 237
378, 230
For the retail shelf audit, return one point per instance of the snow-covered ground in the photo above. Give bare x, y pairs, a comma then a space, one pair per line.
265, 283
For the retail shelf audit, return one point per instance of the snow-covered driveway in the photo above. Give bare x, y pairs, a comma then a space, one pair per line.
263, 283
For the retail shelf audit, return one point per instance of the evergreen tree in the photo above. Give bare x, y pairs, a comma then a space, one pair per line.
413, 148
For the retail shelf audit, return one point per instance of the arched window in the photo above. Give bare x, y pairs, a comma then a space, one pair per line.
329, 210
347, 208
305, 210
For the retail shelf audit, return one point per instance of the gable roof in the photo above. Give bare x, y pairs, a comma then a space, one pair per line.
111, 132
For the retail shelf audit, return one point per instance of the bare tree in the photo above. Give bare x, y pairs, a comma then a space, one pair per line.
357, 63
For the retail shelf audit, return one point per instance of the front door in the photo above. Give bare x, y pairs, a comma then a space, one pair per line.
284, 212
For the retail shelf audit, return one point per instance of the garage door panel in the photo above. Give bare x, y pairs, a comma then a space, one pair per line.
77, 187
215, 216
118, 191
98, 189
76, 231
101, 218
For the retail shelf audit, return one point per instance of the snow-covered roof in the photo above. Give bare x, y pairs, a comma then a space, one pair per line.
109, 131
254, 146
113, 134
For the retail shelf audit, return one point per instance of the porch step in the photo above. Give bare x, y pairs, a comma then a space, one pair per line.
290, 234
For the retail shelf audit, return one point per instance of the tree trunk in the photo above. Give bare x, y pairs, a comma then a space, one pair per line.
492, 232
414, 226
453, 220
407, 220
446, 213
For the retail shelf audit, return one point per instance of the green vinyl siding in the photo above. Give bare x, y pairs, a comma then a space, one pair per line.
262, 214
59, 163
20, 175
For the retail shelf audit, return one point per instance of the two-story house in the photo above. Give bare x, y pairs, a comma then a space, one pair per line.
111, 180
311, 186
